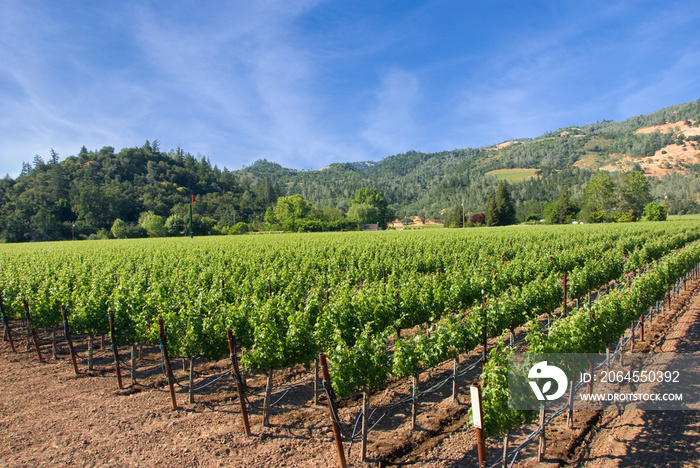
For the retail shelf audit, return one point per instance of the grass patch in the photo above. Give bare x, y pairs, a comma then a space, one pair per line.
513, 175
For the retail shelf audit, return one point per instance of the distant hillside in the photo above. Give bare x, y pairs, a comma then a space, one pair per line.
85, 193
662, 144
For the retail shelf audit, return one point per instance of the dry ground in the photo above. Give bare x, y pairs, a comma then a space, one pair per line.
50, 417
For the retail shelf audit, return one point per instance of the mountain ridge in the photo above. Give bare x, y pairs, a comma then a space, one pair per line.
85, 193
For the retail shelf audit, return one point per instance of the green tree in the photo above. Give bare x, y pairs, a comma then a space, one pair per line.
154, 225
491, 214
504, 205
174, 225
364, 213
239, 228
371, 198
562, 208
290, 210
119, 229
454, 217
500, 211
654, 212
270, 216
635, 192
598, 195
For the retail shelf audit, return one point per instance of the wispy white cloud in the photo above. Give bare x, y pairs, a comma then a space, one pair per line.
309, 82
672, 84
246, 72
608, 63
55, 98
390, 124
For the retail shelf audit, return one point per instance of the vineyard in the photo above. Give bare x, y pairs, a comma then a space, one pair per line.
382, 307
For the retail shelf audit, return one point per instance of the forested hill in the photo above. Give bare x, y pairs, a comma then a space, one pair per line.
426, 184
83, 194
79, 195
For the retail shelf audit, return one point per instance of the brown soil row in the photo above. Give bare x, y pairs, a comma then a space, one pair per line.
48, 416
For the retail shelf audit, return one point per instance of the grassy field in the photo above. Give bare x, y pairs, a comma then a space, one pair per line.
681, 217
513, 175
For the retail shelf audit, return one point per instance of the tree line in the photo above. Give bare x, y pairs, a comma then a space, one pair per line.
606, 197
140, 192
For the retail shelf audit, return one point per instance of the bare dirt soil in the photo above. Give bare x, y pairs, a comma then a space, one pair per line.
50, 417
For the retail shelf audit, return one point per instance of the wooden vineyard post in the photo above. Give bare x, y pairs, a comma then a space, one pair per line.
563, 309
191, 380
32, 330
477, 416
622, 353
166, 360
506, 440
365, 422
268, 396
542, 445
115, 349
641, 328
239, 382
133, 364
455, 363
29, 331
8, 331
69, 340
631, 336
90, 343
485, 334
54, 351
315, 382
316, 367
414, 400
570, 412
336, 427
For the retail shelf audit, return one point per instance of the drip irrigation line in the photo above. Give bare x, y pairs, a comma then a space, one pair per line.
336, 419
251, 404
373, 425
354, 431
181, 386
280, 398
219, 377
126, 364
289, 386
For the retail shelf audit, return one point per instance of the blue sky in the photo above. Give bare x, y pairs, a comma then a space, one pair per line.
306, 83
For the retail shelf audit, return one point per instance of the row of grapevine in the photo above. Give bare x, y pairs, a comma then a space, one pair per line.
589, 329
288, 297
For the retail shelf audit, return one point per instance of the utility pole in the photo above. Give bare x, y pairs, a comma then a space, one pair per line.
665, 208
463, 218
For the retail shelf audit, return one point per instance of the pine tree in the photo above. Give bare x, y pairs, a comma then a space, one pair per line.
492, 218
562, 208
504, 206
